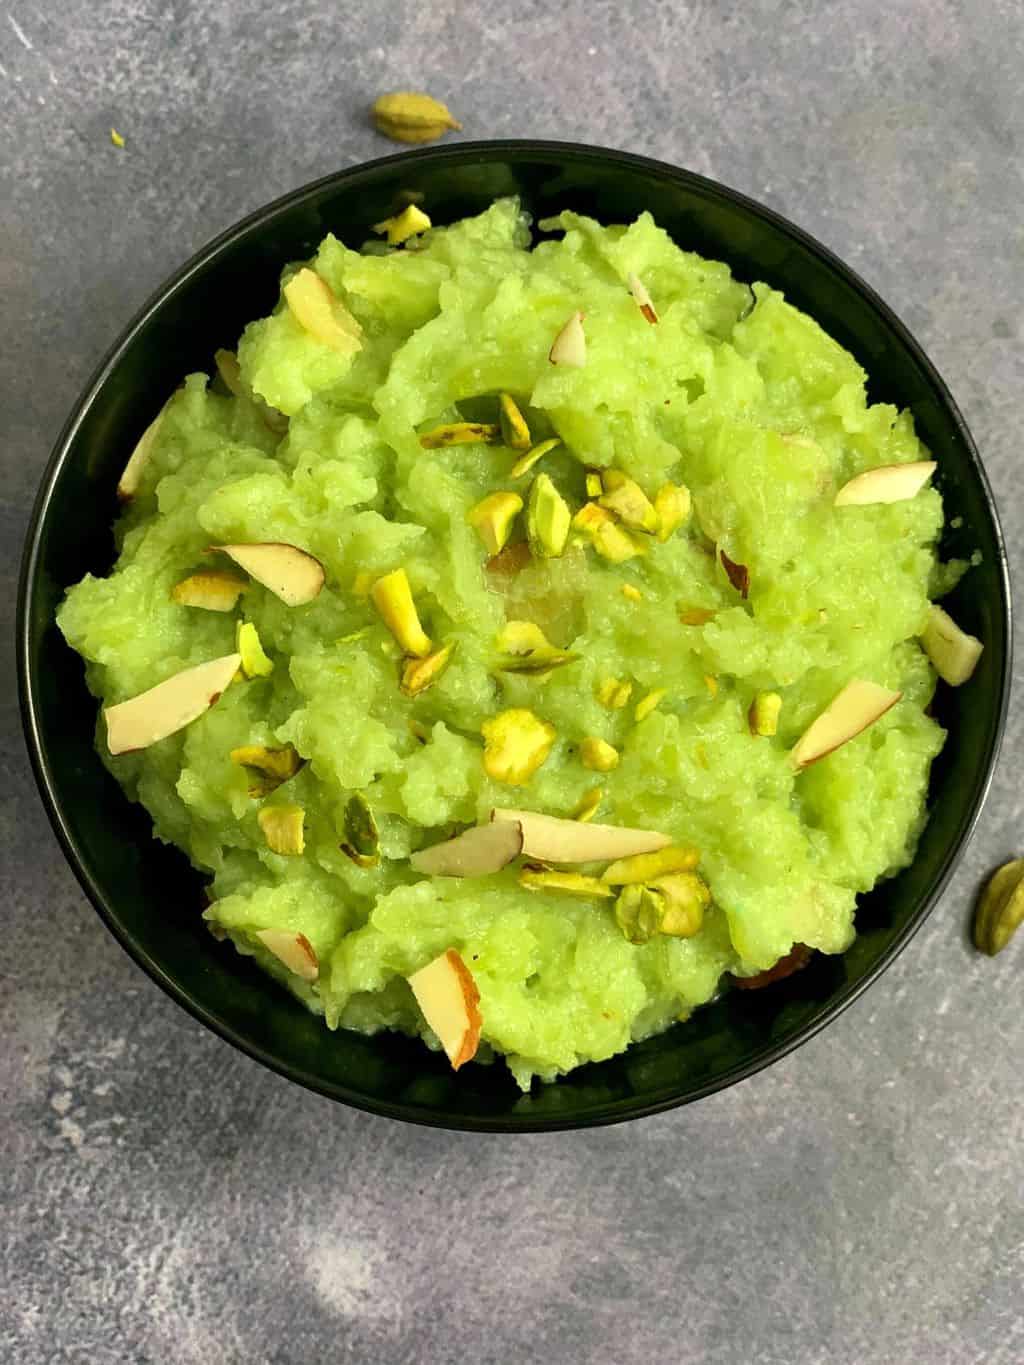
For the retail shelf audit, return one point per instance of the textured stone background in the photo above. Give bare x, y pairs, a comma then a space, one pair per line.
166, 1200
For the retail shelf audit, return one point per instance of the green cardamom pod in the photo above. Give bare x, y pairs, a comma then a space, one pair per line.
408, 116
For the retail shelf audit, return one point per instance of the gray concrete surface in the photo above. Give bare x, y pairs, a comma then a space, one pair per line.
165, 1200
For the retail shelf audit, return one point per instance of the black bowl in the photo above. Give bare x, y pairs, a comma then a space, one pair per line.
148, 895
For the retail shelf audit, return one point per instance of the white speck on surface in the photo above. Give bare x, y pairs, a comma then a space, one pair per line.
61, 1103
20, 34
342, 1274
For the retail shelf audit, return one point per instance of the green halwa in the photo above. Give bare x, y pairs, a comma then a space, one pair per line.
756, 412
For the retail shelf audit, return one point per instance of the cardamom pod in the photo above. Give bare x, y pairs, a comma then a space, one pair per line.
408, 116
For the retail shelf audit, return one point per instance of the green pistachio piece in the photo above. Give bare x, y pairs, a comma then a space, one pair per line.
460, 434
638, 912
526, 462
267, 768
547, 519
627, 500
514, 430
362, 840
526, 649
409, 116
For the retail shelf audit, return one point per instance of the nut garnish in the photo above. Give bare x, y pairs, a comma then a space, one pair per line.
516, 744
514, 429
624, 496
526, 462
362, 839
593, 483
613, 693
598, 755
392, 597
606, 536
493, 518
169, 706
131, 475
647, 704
858, 705
555, 840
293, 950
268, 768
643, 299
419, 674
711, 683
547, 519
459, 434
282, 828
319, 311
573, 883
409, 223
631, 593
570, 345
211, 589
647, 867
409, 116
526, 649
887, 483
673, 504
1000, 910
737, 574
291, 574
477, 852
672, 905
588, 805
954, 653
763, 716
255, 663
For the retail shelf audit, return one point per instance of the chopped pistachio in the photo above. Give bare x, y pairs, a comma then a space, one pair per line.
646, 705
459, 434
514, 430
573, 883
526, 462
598, 755
516, 743
684, 900
646, 867
547, 519
763, 716
362, 840
419, 674
282, 828
409, 116
643, 299
711, 683
737, 574
526, 649
392, 597
255, 663
116, 138
608, 538
628, 501
638, 912
672, 504
587, 808
362, 583
696, 616
493, 517
613, 694
267, 767
631, 593
594, 485
211, 589
402, 226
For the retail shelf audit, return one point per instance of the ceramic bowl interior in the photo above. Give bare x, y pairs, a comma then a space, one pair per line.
147, 893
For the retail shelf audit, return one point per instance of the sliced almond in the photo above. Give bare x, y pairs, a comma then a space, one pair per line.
294, 950
450, 1001
887, 483
477, 852
643, 300
570, 345
555, 840
168, 707
954, 653
857, 706
288, 572
318, 310
131, 477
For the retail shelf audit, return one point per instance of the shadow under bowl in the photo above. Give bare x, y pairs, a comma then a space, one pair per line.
149, 896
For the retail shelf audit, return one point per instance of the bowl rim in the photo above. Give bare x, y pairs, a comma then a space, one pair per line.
484, 150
